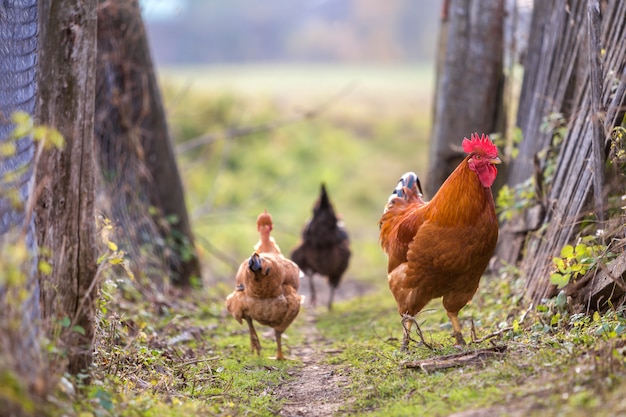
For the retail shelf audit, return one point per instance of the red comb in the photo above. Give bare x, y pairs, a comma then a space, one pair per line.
264, 219
482, 144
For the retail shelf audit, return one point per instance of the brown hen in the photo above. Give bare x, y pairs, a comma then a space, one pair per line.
266, 289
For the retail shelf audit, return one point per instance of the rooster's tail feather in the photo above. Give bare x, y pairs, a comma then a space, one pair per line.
408, 182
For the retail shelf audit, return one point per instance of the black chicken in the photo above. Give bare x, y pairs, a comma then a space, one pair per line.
325, 246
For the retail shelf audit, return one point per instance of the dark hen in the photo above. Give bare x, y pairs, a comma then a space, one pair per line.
325, 247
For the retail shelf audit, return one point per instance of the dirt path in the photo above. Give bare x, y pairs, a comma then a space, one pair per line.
318, 389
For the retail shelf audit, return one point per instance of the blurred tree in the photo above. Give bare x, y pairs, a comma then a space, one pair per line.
140, 179
469, 81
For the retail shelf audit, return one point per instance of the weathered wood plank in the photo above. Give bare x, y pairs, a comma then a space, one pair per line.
581, 155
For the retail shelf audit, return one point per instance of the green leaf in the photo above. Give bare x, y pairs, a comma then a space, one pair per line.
8, 149
101, 258
104, 398
39, 133
172, 218
560, 280
567, 251
561, 299
49, 136
56, 138
45, 268
20, 118
79, 329
65, 322
559, 263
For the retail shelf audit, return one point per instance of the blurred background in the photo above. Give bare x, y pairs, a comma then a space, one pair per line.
268, 99
185, 32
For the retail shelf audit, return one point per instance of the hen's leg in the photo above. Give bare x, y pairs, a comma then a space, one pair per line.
456, 325
279, 346
312, 287
254, 339
407, 322
330, 298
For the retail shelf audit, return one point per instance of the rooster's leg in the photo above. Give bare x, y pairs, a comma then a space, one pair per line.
254, 339
456, 325
279, 345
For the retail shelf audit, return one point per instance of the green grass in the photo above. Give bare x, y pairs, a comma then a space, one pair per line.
188, 356
184, 355
551, 367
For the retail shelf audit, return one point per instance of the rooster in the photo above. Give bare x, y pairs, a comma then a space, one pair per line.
441, 248
325, 247
266, 288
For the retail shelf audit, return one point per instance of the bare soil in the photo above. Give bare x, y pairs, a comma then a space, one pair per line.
318, 389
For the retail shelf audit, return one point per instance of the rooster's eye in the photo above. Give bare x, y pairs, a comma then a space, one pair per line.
477, 156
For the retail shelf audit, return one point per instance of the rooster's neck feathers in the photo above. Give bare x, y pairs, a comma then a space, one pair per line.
461, 199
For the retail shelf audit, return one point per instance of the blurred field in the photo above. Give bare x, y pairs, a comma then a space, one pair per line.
371, 125
294, 81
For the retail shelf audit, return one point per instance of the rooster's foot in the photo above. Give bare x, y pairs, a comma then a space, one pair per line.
459, 339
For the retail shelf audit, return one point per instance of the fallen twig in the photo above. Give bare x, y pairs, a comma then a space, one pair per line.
201, 360
492, 335
406, 318
455, 360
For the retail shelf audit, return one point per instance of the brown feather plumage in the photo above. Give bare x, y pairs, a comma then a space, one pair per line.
266, 291
442, 247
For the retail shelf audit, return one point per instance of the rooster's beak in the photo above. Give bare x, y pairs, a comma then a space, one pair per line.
495, 161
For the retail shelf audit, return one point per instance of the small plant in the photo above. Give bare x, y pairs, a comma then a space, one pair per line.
113, 255
509, 143
511, 201
576, 261
617, 153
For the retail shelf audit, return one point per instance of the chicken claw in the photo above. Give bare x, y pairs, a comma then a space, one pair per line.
456, 326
